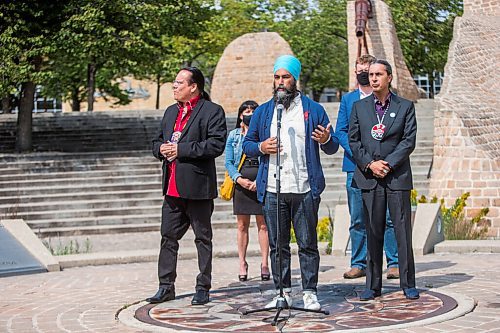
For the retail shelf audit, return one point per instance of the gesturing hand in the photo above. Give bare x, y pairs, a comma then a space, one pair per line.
321, 134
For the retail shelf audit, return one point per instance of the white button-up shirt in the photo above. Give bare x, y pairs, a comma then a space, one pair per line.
294, 176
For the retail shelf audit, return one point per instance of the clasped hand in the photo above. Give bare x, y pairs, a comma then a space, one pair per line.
169, 150
247, 184
380, 168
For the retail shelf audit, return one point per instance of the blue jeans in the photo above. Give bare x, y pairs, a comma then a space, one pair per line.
302, 211
357, 230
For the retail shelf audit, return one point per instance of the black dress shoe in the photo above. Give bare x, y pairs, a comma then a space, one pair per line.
201, 297
162, 295
411, 293
369, 294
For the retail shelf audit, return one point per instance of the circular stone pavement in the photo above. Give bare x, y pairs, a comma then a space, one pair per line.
224, 312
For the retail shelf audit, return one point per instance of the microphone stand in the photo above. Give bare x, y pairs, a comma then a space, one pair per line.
281, 302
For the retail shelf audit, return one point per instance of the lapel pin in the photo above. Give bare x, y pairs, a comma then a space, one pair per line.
392, 115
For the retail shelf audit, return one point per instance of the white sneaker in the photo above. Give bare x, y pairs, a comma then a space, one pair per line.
272, 304
311, 301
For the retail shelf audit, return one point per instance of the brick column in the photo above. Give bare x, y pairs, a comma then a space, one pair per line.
467, 120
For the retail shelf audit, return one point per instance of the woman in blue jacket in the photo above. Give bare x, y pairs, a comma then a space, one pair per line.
245, 201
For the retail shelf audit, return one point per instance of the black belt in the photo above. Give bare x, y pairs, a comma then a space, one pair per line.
251, 162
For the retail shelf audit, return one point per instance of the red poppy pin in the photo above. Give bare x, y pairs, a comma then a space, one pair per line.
306, 115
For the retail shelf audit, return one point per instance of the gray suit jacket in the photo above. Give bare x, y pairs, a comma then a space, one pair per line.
397, 143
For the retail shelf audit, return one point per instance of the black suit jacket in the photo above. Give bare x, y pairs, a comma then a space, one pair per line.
202, 140
397, 143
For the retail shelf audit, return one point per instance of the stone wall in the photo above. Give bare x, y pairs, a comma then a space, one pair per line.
245, 70
383, 43
467, 120
482, 7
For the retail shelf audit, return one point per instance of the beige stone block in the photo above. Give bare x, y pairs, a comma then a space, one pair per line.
481, 202
494, 212
475, 192
464, 183
475, 165
480, 184
475, 175
490, 192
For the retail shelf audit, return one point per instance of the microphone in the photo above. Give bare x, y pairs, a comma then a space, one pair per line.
280, 107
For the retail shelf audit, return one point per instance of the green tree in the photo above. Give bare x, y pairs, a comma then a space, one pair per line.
425, 29
318, 37
92, 49
26, 30
167, 31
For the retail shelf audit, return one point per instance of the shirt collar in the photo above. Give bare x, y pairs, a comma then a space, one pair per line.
191, 104
384, 103
362, 94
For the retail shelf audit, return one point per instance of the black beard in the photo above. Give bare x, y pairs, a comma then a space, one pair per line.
289, 95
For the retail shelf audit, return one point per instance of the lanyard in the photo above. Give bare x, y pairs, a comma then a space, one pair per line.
383, 116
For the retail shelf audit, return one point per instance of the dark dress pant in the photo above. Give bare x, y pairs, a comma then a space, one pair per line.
177, 215
375, 204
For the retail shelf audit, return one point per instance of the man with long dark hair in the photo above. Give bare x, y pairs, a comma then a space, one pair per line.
382, 135
192, 134
357, 230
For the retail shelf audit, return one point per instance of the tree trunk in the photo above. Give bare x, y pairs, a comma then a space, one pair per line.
158, 86
316, 95
25, 118
91, 70
24, 141
75, 100
431, 85
6, 104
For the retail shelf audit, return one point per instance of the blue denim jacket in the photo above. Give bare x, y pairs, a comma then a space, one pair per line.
234, 150
260, 128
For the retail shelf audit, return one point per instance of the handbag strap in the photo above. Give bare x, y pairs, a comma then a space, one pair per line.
241, 161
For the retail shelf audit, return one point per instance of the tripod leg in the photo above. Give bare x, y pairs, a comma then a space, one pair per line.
275, 320
313, 311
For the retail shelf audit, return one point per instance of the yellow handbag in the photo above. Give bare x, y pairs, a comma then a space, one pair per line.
227, 187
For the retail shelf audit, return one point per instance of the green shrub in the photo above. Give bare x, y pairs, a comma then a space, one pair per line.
456, 225
64, 249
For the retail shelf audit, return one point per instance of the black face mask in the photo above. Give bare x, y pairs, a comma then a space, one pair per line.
246, 119
363, 79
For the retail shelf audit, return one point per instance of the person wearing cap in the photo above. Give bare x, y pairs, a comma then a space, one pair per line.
382, 135
305, 129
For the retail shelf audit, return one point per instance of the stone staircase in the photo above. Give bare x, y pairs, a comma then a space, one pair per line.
94, 173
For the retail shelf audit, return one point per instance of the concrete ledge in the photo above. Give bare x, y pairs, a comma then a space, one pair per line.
22, 232
468, 246
151, 255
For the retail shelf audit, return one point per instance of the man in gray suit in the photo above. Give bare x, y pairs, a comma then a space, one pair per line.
382, 135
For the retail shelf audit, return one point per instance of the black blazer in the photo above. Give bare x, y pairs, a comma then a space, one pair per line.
201, 141
397, 143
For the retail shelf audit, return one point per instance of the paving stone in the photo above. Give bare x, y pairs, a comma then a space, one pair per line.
91, 307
